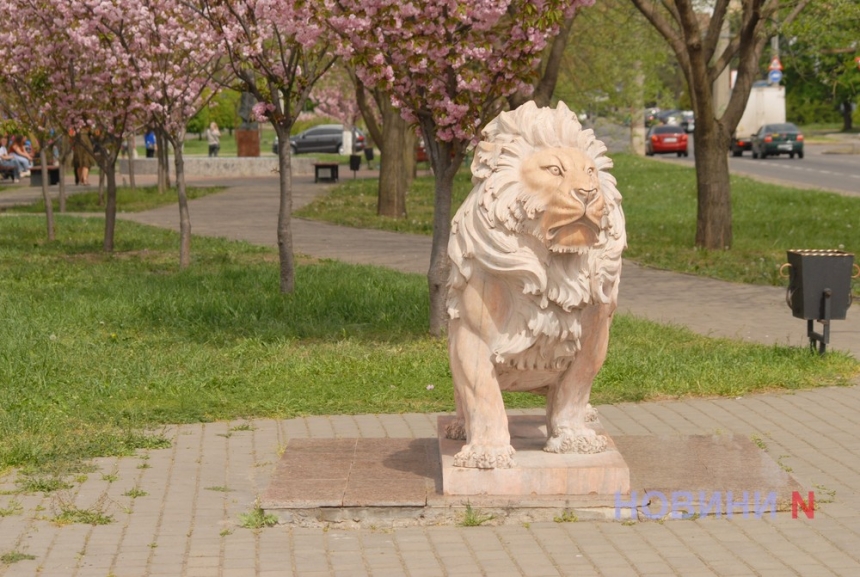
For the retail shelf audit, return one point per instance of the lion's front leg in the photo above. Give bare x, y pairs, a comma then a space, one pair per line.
567, 400
480, 408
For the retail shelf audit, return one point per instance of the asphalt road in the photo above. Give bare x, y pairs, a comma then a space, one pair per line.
819, 168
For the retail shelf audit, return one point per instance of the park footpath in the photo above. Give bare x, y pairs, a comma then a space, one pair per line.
179, 511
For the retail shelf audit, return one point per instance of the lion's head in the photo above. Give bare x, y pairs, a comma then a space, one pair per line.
545, 218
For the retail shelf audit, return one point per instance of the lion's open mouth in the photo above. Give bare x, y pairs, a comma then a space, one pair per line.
581, 233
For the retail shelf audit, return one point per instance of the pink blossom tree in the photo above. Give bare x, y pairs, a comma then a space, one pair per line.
85, 81
21, 99
449, 67
277, 50
178, 66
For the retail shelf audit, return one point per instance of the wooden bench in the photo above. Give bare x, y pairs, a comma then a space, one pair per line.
326, 171
7, 172
36, 175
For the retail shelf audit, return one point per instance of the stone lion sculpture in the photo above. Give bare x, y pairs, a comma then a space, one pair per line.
535, 251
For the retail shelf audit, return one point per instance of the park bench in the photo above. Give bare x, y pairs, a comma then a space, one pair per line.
36, 175
325, 171
7, 172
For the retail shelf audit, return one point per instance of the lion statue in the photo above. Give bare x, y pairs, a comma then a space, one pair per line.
536, 257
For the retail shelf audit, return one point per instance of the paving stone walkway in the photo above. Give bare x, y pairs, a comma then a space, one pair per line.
180, 510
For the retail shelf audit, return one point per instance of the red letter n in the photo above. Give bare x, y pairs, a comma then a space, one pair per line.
807, 508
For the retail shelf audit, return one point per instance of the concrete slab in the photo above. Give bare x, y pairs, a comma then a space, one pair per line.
398, 481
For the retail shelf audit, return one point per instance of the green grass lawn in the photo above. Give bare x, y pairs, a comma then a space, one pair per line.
97, 348
660, 208
127, 199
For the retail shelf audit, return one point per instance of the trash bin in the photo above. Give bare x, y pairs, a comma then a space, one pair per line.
354, 162
819, 289
811, 273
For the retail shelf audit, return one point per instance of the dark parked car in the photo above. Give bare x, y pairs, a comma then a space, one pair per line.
688, 120
324, 138
666, 138
776, 139
651, 116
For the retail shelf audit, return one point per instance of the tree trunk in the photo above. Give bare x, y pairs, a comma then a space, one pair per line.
394, 174
445, 165
637, 113
49, 207
163, 162
109, 171
396, 143
285, 231
131, 154
410, 165
61, 186
184, 217
61, 163
847, 120
437, 275
714, 215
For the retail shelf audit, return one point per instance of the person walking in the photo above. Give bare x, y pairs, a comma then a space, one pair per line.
213, 136
149, 143
82, 158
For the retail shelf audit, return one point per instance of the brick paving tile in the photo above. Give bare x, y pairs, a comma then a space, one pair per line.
344, 426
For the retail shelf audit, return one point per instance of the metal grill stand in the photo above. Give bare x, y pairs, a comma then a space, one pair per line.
823, 339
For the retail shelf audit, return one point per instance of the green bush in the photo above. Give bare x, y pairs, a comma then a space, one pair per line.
802, 110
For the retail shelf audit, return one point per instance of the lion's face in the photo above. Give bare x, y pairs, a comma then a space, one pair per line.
564, 187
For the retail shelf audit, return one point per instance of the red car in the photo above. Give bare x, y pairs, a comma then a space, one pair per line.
666, 138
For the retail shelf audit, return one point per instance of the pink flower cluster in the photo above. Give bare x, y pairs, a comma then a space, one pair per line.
451, 60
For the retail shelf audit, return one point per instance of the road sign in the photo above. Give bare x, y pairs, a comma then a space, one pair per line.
774, 76
775, 64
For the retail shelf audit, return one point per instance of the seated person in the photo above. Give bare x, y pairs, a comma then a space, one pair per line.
10, 161
17, 150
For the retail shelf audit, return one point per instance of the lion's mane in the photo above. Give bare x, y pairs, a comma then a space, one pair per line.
494, 233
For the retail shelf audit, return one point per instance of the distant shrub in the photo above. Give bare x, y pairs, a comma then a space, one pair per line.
807, 111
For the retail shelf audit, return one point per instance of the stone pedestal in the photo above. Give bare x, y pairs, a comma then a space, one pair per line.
537, 472
248, 142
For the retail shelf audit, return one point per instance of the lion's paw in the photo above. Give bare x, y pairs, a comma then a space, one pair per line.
485, 457
583, 444
590, 414
456, 430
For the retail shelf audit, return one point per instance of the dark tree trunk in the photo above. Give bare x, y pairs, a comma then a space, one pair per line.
714, 214
396, 143
131, 155
62, 146
446, 160
108, 169
163, 162
184, 216
847, 120
285, 210
49, 207
394, 174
